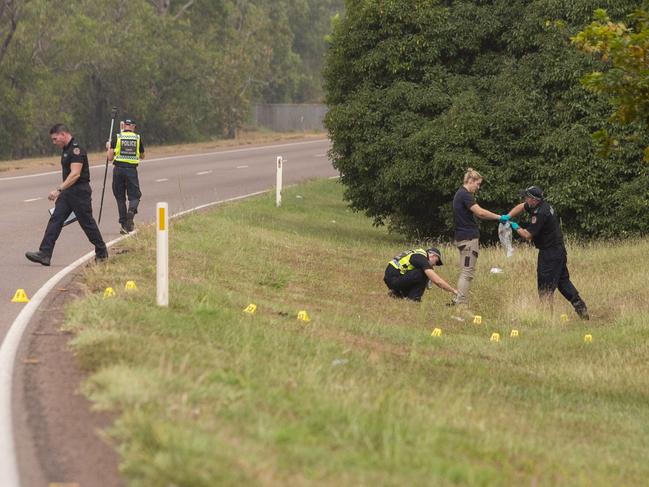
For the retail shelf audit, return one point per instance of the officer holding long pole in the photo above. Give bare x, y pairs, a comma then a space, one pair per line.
113, 115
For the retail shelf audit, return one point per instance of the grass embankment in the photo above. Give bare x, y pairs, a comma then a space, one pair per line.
152, 151
362, 394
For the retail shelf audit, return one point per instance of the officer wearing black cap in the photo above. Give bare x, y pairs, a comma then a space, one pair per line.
408, 273
72, 195
544, 231
126, 151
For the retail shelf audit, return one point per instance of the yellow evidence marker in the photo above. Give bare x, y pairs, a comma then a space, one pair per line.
477, 320
514, 334
250, 309
564, 318
109, 292
588, 338
437, 332
130, 286
495, 337
303, 316
20, 297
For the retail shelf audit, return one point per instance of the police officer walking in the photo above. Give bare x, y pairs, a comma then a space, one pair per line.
544, 231
126, 151
73, 195
408, 274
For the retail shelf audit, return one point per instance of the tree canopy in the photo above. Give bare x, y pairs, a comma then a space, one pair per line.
624, 48
419, 90
187, 70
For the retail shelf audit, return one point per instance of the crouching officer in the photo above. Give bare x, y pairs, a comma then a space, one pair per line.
126, 151
409, 272
552, 265
73, 195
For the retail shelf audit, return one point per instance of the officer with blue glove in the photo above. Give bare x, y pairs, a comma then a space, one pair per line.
466, 237
544, 231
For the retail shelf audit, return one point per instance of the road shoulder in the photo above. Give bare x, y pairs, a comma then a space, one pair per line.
59, 436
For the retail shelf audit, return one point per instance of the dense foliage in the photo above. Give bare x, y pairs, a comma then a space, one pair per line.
625, 48
187, 70
419, 90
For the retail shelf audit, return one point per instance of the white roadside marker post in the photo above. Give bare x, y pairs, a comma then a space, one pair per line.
278, 194
162, 253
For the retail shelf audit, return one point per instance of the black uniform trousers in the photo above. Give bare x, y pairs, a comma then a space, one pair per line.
552, 273
410, 285
126, 185
77, 198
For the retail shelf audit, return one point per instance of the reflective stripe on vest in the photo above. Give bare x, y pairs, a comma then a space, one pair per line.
402, 261
127, 148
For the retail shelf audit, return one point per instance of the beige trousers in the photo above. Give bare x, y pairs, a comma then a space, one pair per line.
468, 259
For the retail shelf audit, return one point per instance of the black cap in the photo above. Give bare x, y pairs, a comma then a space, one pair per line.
434, 251
532, 192
129, 121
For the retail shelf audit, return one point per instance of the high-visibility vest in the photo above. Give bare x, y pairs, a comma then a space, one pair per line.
127, 148
402, 261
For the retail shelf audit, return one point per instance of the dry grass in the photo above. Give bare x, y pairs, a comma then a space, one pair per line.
362, 394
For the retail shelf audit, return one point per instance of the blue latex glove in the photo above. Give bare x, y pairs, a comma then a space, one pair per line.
504, 218
515, 226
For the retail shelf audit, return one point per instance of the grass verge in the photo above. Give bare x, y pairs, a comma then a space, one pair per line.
362, 394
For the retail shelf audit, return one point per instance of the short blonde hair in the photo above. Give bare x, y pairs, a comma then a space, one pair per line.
471, 175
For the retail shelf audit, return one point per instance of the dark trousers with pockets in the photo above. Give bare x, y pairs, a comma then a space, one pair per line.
410, 285
126, 185
552, 273
77, 198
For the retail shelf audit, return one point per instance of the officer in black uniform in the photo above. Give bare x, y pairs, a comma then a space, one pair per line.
545, 231
126, 151
409, 272
73, 195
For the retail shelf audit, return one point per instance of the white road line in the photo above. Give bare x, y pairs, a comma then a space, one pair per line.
187, 156
31, 199
162, 180
203, 173
9, 348
242, 167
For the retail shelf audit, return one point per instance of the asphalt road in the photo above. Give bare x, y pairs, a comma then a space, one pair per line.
184, 182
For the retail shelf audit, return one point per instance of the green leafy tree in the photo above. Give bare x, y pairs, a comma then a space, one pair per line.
420, 90
187, 70
625, 83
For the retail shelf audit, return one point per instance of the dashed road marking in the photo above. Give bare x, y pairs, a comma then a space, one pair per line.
162, 180
203, 173
242, 167
31, 199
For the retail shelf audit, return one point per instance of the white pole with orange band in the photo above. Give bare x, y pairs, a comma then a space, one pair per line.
162, 252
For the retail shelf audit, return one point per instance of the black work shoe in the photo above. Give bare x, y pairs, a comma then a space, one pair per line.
582, 312
129, 225
123, 230
101, 257
38, 257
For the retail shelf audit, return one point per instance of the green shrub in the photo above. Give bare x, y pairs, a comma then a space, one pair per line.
419, 90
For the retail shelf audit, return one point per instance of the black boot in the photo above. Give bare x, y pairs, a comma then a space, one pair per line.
38, 257
581, 309
129, 225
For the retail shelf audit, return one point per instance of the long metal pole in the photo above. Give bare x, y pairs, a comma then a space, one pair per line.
110, 139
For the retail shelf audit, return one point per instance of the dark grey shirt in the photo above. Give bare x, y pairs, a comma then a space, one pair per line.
466, 226
544, 226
